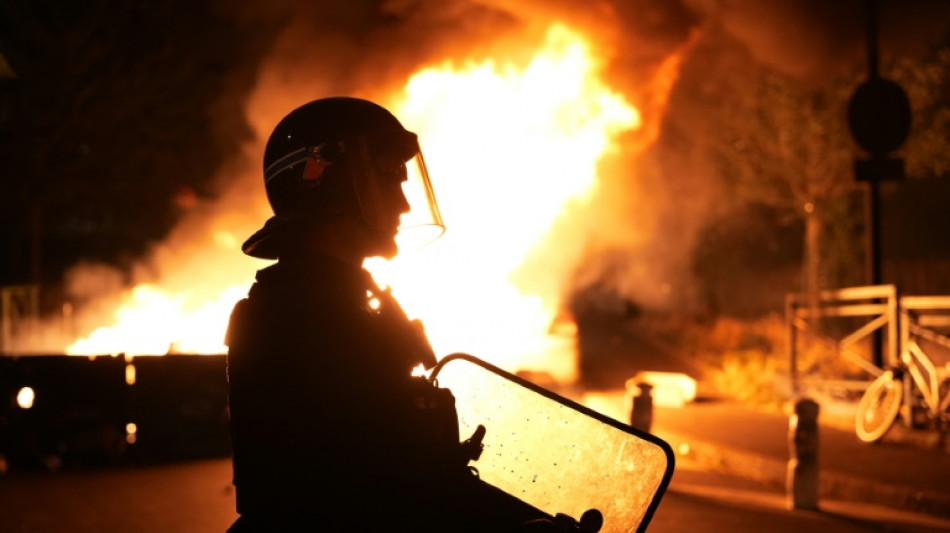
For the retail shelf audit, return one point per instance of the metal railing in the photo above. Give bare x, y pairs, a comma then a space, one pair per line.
878, 308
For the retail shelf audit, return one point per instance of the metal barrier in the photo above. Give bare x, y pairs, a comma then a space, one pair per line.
899, 318
924, 317
878, 304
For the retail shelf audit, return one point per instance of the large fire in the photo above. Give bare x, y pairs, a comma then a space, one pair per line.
510, 147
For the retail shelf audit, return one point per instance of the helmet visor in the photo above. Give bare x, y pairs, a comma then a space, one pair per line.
380, 167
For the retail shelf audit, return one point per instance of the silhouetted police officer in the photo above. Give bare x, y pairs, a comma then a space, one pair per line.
330, 430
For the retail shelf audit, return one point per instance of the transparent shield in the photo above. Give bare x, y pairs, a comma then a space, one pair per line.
554, 454
423, 223
374, 167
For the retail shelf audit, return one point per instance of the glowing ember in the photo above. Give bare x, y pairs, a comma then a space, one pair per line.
510, 147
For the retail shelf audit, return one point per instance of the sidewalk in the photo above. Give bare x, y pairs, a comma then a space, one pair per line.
764, 506
906, 471
726, 437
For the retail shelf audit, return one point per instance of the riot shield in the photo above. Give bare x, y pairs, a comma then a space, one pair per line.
554, 454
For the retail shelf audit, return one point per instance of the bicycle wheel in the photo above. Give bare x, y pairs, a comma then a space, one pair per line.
878, 407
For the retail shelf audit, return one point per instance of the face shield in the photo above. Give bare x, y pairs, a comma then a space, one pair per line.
388, 173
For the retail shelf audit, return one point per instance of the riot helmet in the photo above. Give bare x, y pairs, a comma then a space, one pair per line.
336, 157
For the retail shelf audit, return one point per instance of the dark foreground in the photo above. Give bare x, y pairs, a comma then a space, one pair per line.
196, 496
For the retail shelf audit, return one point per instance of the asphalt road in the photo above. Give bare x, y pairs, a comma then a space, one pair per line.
196, 496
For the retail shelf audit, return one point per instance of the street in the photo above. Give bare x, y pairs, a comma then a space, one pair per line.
196, 496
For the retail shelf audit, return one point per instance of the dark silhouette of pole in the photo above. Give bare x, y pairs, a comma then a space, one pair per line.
879, 117
870, 10
873, 189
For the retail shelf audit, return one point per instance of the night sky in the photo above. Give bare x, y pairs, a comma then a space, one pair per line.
118, 118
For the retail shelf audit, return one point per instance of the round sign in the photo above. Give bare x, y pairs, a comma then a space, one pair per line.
879, 116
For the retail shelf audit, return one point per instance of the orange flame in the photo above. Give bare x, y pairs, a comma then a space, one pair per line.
509, 147
155, 322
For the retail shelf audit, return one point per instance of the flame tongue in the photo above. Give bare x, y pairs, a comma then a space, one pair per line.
154, 322
509, 147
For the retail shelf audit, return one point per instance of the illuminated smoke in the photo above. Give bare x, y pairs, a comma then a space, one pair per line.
633, 235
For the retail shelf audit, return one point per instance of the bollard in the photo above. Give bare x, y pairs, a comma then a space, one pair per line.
641, 411
802, 481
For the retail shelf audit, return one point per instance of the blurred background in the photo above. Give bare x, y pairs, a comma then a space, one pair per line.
627, 185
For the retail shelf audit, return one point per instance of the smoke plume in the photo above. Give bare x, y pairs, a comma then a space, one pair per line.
636, 236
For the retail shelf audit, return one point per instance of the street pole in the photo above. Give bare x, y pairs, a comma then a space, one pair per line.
879, 118
873, 201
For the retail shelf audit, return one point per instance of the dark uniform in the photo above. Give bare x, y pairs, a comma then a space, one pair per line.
325, 413
330, 430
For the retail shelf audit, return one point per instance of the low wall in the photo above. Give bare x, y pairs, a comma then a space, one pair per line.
66, 411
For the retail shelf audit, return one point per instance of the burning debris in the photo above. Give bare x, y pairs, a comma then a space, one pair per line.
513, 146
559, 135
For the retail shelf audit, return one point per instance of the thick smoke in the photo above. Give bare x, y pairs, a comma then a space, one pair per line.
370, 49
637, 238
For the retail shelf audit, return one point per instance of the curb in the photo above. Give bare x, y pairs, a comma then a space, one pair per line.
832, 485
